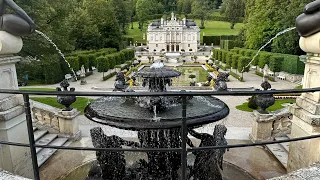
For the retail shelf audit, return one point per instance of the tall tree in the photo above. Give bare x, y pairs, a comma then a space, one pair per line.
201, 9
144, 8
233, 10
264, 19
103, 15
122, 13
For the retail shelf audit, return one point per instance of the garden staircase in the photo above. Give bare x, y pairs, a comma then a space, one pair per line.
280, 151
43, 137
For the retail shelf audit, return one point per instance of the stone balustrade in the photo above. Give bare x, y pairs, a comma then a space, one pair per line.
268, 126
55, 120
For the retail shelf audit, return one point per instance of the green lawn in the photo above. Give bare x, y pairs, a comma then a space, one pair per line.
277, 105
37, 89
80, 104
212, 28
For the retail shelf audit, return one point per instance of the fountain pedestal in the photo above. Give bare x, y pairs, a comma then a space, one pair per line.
306, 119
68, 124
13, 126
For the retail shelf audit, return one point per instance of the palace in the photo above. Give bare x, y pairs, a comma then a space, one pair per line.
173, 35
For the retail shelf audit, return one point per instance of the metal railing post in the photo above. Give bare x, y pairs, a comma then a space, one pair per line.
31, 137
184, 134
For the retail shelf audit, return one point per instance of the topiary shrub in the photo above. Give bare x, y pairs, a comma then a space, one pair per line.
229, 58
235, 59
192, 76
264, 58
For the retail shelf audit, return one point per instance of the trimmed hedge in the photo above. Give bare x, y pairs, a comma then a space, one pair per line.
290, 63
229, 58
83, 60
74, 63
216, 40
275, 63
103, 64
243, 61
236, 76
229, 44
219, 55
109, 76
235, 59
263, 59
224, 55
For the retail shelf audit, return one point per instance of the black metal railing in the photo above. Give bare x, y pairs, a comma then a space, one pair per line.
183, 148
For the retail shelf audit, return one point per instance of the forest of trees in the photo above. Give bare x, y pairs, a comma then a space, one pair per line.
95, 24
264, 19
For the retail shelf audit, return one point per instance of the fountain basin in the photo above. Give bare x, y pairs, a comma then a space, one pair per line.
231, 171
127, 114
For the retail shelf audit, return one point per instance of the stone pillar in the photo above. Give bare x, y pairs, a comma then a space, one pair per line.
262, 127
68, 125
306, 119
13, 126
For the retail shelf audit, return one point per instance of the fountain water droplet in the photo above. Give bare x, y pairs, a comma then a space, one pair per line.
280, 33
59, 51
155, 118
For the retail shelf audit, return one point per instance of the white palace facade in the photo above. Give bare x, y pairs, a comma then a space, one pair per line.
173, 35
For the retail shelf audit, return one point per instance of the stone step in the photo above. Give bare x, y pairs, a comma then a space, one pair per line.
46, 153
284, 145
38, 134
34, 128
280, 153
45, 140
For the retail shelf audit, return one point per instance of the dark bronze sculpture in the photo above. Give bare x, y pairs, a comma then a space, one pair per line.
120, 84
112, 164
208, 164
264, 100
220, 84
66, 100
307, 23
19, 24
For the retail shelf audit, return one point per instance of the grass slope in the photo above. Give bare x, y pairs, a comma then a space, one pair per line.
277, 105
37, 89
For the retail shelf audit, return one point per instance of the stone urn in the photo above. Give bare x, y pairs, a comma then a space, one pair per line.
66, 100
265, 100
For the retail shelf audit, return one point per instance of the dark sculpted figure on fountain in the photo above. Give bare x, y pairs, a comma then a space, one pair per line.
120, 84
220, 84
208, 164
307, 23
112, 164
19, 24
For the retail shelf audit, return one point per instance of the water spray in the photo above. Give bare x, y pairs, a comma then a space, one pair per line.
59, 51
280, 33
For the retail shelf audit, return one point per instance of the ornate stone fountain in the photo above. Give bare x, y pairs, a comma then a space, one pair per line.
158, 122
